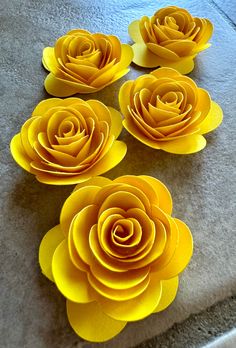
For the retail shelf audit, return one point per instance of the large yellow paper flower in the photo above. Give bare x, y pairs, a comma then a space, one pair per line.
82, 62
69, 141
171, 37
116, 254
166, 110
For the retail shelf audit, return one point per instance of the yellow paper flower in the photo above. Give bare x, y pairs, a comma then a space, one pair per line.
69, 141
170, 38
166, 110
82, 62
116, 254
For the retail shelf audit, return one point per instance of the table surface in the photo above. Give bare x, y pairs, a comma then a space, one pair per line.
202, 185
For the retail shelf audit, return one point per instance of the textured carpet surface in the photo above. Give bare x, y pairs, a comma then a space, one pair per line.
202, 185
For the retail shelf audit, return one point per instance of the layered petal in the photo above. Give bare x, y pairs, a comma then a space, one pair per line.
166, 110
181, 255
82, 62
137, 308
116, 254
91, 323
212, 120
70, 281
48, 245
171, 38
69, 141
169, 291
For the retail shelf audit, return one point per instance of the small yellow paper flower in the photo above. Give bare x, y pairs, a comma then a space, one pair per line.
170, 38
82, 62
166, 110
116, 254
69, 141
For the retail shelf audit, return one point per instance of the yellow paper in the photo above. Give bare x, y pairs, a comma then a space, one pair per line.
69, 141
172, 37
166, 110
120, 256
82, 62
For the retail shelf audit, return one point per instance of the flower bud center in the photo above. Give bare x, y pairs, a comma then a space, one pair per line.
121, 234
66, 128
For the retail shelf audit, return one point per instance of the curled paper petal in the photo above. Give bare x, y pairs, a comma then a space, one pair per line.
69, 141
82, 62
166, 110
120, 256
147, 59
139, 307
213, 119
69, 280
170, 38
91, 323
48, 245
169, 291
186, 145
58, 88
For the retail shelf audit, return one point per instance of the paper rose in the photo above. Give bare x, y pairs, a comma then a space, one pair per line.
69, 141
166, 110
171, 38
82, 62
116, 254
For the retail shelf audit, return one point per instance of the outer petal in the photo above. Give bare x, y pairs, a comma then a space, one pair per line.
165, 72
95, 181
72, 283
18, 153
80, 230
46, 104
134, 31
48, 245
184, 65
61, 88
165, 202
182, 254
127, 55
212, 120
144, 57
116, 122
137, 308
117, 76
49, 61
169, 291
77, 201
91, 323
124, 97
185, 145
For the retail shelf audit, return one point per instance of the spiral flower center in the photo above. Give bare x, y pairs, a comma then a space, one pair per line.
171, 23
85, 48
123, 233
170, 98
68, 127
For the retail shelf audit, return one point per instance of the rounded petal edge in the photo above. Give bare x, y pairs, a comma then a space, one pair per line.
91, 323
134, 31
169, 291
71, 282
212, 120
47, 247
144, 57
185, 145
116, 122
18, 153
